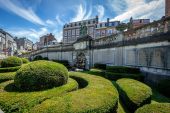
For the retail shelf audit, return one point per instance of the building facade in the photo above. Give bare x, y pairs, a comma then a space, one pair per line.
167, 8
7, 44
47, 39
135, 23
104, 29
24, 44
71, 31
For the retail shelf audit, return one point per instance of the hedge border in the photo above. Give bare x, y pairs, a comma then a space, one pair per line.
7, 76
134, 93
154, 108
98, 96
9, 69
13, 101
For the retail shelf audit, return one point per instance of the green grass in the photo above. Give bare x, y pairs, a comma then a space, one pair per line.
133, 93
99, 95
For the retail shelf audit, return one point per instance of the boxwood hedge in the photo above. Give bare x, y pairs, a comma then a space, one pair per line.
133, 93
20, 102
154, 108
7, 76
11, 61
9, 69
97, 95
24, 60
122, 69
116, 76
40, 75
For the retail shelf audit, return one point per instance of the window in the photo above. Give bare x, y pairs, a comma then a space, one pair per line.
77, 31
89, 22
73, 32
65, 33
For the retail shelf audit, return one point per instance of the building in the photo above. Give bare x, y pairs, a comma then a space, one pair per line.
167, 8
135, 23
106, 28
24, 44
7, 44
71, 31
47, 39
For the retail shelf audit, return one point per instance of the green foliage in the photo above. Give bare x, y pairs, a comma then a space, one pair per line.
154, 108
100, 66
97, 72
38, 57
7, 76
41, 74
9, 69
116, 76
134, 93
121, 69
97, 95
24, 60
64, 62
21, 102
11, 62
164, 87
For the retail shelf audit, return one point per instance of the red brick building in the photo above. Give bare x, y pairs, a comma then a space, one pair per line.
167, 8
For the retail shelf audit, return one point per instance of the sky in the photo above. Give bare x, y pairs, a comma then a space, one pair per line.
34, 18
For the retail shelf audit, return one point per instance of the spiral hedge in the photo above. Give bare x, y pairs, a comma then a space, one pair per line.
11, 61
134, 93
24, 60
154, 108
95, 94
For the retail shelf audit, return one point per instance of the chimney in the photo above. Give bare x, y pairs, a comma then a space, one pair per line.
97, 19
108, 21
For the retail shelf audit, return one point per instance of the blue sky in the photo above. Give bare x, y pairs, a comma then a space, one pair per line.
34, 18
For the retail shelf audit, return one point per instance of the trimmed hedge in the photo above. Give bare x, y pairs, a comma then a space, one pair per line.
9, 69
154, 108
116, 76
40, 75
11, 62
100, 66
134, 93
121, 69
97, 72
64, 62
98, 96
24, 60
38, 57
164, 87
13, 101
7, 76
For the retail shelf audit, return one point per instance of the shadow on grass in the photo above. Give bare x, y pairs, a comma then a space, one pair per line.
11, 88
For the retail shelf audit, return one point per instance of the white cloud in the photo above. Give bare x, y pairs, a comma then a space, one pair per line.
27, 14
142, 9
100, 9
81, 13
50, 22
59, 20
31, 34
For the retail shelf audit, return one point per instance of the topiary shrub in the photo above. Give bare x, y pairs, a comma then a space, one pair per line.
134, 93
24, 60
116, 76
38, 57
121, 69
9, 69
40, 75
100, 66
164, 87
11, 62
154, 108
